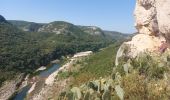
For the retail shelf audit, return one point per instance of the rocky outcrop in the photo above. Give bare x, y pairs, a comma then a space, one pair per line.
153, 25
145, 15
147, 55
153, 17
93, 30
163, 17
58, 27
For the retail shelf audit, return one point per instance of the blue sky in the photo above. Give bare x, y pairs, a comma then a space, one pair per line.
115, 15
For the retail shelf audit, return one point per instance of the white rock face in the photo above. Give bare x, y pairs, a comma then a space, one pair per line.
163, 16
153, 17
145, 15
144, 42
152, 20
139, 44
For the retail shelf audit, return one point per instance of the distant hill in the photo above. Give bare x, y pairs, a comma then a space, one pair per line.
26, 26
117, 35
61, 27
2, 19
93, 30
65, 28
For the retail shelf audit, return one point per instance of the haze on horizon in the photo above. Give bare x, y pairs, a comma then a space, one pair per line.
114, 15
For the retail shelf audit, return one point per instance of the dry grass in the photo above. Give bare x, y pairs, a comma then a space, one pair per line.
137, 87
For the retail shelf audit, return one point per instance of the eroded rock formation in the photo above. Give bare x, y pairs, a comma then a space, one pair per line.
152, 20
153, 17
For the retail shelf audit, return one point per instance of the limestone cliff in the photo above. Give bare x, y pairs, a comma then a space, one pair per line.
152, 20
153, 17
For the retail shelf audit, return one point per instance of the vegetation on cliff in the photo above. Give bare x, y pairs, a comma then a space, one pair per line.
144, 77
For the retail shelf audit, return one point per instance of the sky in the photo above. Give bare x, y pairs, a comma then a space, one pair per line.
113, 15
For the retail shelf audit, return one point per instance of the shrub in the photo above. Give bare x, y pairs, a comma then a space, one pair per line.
134, 86
145, 65
137, 87
64, 75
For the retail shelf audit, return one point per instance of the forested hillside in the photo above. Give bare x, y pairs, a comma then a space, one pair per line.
26, 26
23, 52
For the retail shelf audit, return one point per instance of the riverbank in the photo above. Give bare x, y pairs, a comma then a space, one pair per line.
50, 80
42, 81
19, 90
35, 82
53, 86
9, 87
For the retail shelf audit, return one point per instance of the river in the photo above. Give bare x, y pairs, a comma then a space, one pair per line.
23, 92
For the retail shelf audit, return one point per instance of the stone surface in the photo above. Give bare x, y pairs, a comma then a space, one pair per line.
145, 15
143, 42
153, 17
163, 16
139, 44
152, 20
